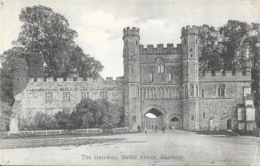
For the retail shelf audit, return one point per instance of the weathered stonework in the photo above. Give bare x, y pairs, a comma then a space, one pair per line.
162, 80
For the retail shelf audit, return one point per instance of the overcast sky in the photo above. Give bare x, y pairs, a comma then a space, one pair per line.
100, 24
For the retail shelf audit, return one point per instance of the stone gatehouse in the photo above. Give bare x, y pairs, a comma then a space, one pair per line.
163, 81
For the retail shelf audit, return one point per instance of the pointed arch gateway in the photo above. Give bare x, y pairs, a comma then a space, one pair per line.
175, 122
153, 116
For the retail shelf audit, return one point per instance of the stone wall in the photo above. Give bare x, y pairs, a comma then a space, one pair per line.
37, 92
221, 108
172, 65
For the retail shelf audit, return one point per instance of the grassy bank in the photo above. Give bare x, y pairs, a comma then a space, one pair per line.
32, 143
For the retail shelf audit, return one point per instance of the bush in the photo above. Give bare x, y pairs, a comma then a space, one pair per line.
45, 122
96, 113
63, 120
5, 113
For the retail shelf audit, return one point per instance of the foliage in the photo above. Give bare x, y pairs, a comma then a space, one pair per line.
209, 49
5, 113
44, 122
35, 65
96, 113
7, 73
48, 33
63, 120
232, 36
19, 68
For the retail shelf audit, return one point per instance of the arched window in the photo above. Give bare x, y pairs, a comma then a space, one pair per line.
150, 75
169, 77
204, 115
186, 91
160, 65
192, 90
197, 90
221, 90
202, 93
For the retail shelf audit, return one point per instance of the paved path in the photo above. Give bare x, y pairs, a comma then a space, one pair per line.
171, 148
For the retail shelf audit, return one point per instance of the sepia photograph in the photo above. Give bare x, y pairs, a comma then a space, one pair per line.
136, 83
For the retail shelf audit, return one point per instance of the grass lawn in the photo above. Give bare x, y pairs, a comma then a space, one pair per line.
32, 143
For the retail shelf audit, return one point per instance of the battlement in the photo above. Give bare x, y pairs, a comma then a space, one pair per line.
160, 49
227, 76
78, 79
118, 79
190, 30
128, 31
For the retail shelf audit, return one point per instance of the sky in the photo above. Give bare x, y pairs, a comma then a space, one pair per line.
100, 23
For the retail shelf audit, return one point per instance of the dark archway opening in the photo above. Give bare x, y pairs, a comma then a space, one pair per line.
229, 124
153, 119
174, 123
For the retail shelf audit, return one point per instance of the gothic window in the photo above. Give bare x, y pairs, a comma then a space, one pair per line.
197, 90
186, 91
169, 77
137, 91
204, 115
192, 117
160, 65
48, 96
150, 76
202, 93
192, 90
66, 96
134, 118
221, 90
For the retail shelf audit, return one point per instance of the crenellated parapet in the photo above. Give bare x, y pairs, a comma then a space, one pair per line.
130, 31
118, 79
160, 49
78, 79
190, 30
227, 76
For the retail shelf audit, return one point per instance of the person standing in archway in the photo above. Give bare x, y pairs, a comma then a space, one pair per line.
145, 129
163, 129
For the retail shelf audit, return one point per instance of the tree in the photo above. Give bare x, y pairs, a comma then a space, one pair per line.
46, 32
19, 68
232, 36
35, 65
209, 49
5, 113
8, 59
96, 113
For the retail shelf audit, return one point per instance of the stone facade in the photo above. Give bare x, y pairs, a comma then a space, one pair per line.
51, 96
161, 80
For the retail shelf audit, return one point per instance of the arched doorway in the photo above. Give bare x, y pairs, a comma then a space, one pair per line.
153, 118
174, 123
229, 127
